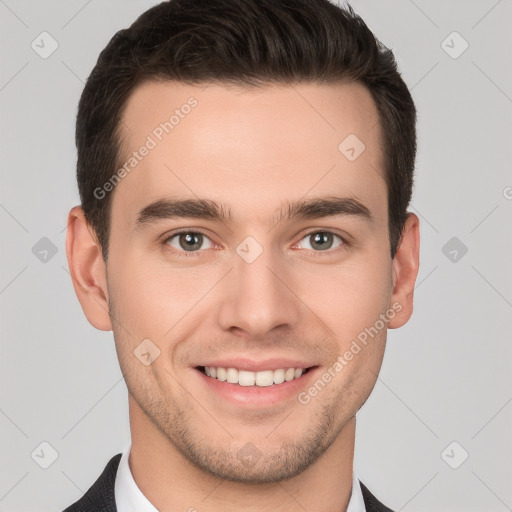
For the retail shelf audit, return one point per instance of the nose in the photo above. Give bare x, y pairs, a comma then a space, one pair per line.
258, 297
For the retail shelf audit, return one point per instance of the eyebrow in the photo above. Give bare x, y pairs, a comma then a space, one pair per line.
207, 209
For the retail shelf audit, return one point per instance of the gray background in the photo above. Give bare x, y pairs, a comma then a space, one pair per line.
446, 374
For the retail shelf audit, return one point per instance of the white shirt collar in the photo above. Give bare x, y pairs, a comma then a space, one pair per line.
129, 497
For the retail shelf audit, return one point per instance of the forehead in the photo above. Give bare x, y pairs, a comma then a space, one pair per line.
248, 148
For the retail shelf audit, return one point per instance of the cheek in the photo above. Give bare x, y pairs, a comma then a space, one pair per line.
153, 297
349, 297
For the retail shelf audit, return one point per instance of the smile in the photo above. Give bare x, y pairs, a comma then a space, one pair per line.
248, 378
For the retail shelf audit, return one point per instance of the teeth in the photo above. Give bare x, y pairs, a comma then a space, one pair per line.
246, 378
232, 374
278, 376
289, 374
265, 378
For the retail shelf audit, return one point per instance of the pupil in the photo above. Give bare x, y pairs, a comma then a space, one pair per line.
191, 241
320, 239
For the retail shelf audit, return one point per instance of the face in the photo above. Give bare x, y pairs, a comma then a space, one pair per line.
250, 282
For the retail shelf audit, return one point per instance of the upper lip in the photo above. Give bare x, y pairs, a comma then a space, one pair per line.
257, 366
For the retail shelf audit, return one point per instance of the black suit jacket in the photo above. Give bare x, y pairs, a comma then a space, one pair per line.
101, 498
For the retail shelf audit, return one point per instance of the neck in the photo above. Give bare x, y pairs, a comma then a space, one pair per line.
171, 482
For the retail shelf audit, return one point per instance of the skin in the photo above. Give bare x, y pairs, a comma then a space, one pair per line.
249, 149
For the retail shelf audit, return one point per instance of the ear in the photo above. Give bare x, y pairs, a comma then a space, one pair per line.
405, 270
88, 270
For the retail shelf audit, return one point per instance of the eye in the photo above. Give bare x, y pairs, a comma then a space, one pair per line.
188, 241
321, 241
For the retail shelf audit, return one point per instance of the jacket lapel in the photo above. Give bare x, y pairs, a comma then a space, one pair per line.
100, 497
372, 504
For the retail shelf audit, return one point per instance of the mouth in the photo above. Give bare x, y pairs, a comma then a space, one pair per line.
244, 378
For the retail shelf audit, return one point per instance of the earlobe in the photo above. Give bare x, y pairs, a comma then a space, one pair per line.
405, 270
87, 269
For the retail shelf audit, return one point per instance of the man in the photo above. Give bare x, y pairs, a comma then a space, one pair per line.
245, 169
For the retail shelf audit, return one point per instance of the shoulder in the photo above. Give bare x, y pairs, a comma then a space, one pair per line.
372, 504
100, 497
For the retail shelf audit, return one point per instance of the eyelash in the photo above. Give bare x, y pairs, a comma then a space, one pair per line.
192, 254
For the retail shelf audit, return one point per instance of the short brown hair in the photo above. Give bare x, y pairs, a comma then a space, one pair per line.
241, 42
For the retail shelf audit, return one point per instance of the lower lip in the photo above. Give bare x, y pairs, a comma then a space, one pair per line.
253, 396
